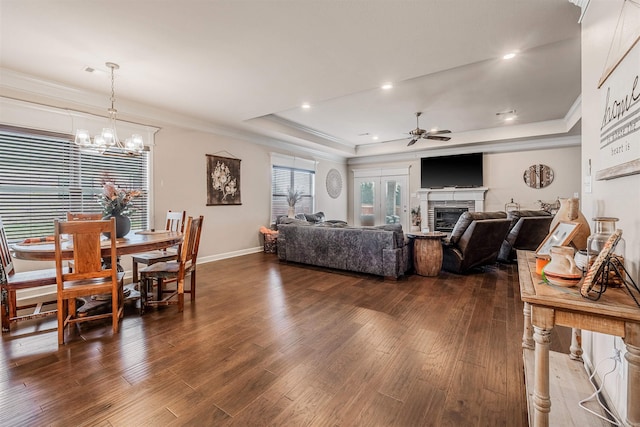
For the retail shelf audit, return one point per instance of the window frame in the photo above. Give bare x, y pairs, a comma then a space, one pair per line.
293, 166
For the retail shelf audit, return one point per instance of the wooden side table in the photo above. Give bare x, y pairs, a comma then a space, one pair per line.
427, 252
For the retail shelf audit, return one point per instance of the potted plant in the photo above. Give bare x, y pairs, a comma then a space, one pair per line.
117, 203
416, 219
293, 196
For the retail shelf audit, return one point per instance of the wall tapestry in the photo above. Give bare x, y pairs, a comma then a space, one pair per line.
223, 181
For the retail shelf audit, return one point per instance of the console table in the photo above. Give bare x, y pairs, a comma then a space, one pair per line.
546, 306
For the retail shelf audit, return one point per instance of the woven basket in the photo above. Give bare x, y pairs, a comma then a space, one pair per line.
270, 243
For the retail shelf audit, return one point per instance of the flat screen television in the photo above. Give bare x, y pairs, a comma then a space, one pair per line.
462, 170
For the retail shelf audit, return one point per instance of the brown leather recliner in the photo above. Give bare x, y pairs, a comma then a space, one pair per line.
528, 229
475, 241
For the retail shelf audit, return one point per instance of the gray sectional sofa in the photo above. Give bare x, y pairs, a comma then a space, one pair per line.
382, 250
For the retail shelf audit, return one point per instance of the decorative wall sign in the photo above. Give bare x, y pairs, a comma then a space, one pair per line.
626, 35
223, 181
538, 176
620, 126
334, 183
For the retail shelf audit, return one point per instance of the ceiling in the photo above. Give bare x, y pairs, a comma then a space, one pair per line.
249, 65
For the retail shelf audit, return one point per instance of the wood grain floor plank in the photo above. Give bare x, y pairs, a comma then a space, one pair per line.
270, 343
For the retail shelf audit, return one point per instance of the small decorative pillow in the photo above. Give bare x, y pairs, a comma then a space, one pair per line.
315, 218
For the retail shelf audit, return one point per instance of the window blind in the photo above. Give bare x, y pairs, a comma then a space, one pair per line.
44, 175
282, 179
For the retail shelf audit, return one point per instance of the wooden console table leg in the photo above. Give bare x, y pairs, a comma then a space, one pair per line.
541, 398
576, 344
543, 320
632, 341
527, 334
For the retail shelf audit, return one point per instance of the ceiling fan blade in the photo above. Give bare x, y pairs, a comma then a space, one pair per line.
438, 138
438, 132
413, 141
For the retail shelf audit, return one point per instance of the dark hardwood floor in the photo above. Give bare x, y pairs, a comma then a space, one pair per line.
268, 343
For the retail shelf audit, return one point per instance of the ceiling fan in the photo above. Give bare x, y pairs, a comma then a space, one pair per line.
418, 133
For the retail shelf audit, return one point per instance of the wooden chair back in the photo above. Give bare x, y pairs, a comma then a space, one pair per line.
5, 254
191, 242
87, 256
80, 216
175, 221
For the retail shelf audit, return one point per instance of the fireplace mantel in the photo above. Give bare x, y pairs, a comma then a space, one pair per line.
450, 194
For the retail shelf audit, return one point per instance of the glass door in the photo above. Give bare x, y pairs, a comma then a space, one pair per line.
381, 200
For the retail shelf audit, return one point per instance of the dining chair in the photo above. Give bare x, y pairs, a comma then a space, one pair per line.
174, 222
90, 277
11, 281
81, 216
162, 272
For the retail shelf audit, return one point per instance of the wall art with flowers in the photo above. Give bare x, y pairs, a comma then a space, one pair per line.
223, 181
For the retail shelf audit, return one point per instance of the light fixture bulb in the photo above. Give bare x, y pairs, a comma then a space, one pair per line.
306, 106
83, 138
509, 55
387, 86
108, 138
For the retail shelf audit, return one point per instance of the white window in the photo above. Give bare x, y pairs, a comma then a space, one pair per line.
43, 175
296, 174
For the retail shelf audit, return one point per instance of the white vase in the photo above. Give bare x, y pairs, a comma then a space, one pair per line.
291, 213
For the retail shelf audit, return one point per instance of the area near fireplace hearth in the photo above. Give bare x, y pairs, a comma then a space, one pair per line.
445, 205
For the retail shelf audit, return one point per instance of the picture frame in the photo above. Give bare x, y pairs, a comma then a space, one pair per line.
223, 181
561, 235
598, 264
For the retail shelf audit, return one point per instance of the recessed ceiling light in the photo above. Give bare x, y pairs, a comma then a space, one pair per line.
387, 86
306, 106
434, 130
509, 119
374, 137
509, 55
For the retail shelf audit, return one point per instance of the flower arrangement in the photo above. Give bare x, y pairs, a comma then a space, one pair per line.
221, 180
293, 197
116, 201
416, 218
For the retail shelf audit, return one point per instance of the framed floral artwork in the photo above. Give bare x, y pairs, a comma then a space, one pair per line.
223, 181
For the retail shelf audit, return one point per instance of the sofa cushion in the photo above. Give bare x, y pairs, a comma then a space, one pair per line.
467, 218
286, 220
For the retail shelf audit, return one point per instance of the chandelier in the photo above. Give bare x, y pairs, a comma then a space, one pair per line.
108, 140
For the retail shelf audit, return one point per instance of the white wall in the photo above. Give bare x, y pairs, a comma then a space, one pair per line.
503, 175
180, 183
617, 197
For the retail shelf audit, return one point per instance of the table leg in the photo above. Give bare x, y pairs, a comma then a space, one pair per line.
527, 334
541, 399
576, 344
632, 341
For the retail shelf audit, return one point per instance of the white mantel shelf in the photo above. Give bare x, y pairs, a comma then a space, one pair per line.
450, 194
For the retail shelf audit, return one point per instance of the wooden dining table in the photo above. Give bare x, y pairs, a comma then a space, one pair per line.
134, 242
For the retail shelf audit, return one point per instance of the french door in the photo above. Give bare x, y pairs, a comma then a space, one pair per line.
381, 198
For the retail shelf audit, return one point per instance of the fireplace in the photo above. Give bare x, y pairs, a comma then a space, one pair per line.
467, 199
445, 218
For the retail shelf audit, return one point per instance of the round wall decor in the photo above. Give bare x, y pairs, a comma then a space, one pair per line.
334, 183
538, 176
